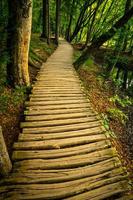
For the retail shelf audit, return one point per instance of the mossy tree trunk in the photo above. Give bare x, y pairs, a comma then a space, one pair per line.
19, 34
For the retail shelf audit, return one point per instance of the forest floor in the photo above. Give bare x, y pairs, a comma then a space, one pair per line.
101, 94
12, 100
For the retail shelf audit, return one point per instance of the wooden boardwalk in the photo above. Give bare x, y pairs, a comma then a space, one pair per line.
63, 151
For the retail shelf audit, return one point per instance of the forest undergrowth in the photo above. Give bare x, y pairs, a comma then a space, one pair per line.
112, 104
12, 99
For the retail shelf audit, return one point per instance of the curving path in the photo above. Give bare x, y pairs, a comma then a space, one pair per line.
63, 151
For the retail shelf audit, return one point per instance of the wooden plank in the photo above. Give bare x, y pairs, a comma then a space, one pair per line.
42, 85
56, 95
54, 98
57, 111
62, 175
61, 135
55, 92
57, 129
57, 88
77, 89
59, 116
59, 77
57, 102
64, 106
115, 182
57, 122
58, 153
57, 84
104, 192
58, 80
66, 162
57, 144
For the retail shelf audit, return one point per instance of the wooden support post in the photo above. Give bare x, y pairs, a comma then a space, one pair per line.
5, 162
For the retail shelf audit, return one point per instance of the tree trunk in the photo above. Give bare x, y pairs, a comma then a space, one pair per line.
48, 33
103, 38
58, 4
68, 32
46, 21
19, 33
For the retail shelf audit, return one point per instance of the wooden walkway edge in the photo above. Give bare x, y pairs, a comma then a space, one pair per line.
62, 151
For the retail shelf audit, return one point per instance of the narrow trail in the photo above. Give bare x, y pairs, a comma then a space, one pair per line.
62, 151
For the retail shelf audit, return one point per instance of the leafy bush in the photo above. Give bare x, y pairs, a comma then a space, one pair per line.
122, 102
89, 62
111, 59
115, 113
105, 121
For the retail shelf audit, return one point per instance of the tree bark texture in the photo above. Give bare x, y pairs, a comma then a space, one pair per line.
19, 34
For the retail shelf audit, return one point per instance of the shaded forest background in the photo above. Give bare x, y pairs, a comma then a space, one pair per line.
101, 32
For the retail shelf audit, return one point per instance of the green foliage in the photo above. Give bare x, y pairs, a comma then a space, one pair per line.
105, 122
111, 59
76, 55
18, 95
115, 113
4, 101
40, 44
4, 58
89, 62
10, 98
122, 102
37, 16
117, 82
130, 90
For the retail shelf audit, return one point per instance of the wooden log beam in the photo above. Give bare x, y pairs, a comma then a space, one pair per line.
5, 162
